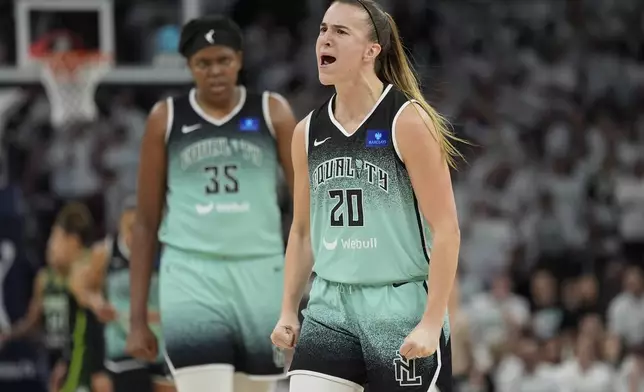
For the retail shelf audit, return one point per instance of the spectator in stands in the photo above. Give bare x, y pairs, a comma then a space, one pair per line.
631, 373
72, 161
546, 314
497, 313
533, 376
586, 372
626, 311
630, 197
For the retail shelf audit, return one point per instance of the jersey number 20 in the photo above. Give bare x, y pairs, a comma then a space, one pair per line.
349, 201
222, 177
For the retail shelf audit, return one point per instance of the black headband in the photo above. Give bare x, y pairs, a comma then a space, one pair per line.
373, 22
205, 32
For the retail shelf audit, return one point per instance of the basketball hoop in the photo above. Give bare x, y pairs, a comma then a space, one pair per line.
70, 79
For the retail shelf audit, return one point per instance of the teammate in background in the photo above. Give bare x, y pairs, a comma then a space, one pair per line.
81, 365
372, 196
103, 286
208, 180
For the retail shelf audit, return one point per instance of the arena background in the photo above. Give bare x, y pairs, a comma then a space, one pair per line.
550, 200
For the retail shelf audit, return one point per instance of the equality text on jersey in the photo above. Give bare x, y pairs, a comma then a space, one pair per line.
221, 147
348, 167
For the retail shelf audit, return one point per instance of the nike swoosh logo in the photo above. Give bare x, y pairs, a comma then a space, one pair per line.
399, 284
190, 128
317, 143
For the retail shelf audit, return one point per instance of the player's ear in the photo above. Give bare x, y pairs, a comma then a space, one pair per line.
240, 58
373, 51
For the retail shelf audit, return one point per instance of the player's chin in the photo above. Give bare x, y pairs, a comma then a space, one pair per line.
218, 89
326, 79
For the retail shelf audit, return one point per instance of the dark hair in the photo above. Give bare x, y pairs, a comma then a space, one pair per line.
76, 219
393, 67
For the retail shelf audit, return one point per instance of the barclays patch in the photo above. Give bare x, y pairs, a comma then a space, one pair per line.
377, 138
249, 124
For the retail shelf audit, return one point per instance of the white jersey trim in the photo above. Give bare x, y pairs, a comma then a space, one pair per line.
266, 108
393, 127
108, 242
307, 131
323, 376
364, 120
217, 121
168, 127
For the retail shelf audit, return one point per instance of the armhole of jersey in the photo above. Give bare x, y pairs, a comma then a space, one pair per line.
168, 126
307, 130
266, 108
393, 127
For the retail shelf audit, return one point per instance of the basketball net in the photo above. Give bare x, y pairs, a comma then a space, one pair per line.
70, 79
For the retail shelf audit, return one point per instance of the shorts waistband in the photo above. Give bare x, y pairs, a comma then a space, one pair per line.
173, 253
348, 287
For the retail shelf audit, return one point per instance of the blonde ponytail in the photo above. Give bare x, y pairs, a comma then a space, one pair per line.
396, 69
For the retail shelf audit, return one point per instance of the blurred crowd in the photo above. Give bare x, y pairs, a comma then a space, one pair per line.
550, 198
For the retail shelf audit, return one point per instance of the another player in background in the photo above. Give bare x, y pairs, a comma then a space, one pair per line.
48, 310
372, 197
208, 181
81, 367
103, 286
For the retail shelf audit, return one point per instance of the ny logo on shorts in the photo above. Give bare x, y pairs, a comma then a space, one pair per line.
278, 357
405, 371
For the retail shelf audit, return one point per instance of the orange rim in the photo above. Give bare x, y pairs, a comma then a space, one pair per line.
70, 61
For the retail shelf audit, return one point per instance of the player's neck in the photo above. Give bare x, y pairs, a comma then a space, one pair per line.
356, 98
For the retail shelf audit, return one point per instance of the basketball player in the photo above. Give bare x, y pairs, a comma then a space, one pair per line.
372, 196
48, 308
108, 272
209, 175
81, 365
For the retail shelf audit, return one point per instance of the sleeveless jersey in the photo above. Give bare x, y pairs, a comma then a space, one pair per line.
117, 286
366, 226
222, 181
56, 311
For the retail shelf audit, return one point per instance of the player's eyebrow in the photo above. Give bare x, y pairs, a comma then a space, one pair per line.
335, 26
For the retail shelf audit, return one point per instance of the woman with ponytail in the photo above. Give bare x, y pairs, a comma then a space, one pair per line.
372, 201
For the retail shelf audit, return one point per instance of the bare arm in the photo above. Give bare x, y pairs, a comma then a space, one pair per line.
150, 204
283, 122
432, 185
32, 319
299, 259
86, 279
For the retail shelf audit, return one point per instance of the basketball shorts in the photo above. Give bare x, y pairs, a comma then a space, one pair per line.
87, 353
222, 312
130, 375
353, 333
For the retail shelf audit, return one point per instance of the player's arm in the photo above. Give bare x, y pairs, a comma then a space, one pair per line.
430, 177
299, 259
86, 283
33, 318
150, 204
283, 122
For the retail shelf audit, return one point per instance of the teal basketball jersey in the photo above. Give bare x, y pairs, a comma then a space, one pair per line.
117, 288
366, 226
222, 181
